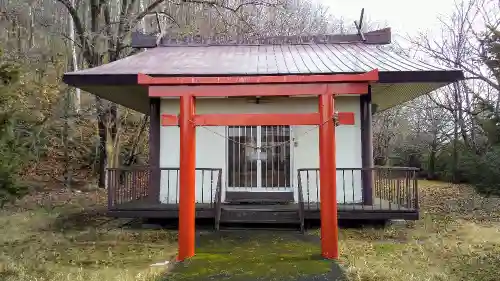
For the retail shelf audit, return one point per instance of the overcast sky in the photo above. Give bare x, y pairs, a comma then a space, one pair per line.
403, 16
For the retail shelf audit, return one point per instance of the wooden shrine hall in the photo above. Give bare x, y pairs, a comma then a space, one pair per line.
275, 130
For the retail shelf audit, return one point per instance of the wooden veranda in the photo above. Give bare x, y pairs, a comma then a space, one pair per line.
395, 196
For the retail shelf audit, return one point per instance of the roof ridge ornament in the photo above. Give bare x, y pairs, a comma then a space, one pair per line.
359, 25
161, 33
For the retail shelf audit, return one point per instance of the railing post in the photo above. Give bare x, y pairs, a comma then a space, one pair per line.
111, 189
367, 176
218, 200
407, 190
301, 201
187, 172
415, 186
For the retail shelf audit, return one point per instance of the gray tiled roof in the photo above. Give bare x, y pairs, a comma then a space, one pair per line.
400, 78
262, 60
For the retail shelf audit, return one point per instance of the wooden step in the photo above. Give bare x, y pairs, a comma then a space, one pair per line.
259, 197
258, 201
258, 227
261, 207
259, 217
276, 214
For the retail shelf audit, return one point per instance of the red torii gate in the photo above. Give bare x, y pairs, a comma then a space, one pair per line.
323, 86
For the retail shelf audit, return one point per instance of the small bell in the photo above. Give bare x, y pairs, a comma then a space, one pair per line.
335, 118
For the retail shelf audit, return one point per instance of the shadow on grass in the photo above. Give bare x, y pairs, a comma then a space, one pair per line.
370, 231
79, 220
256, 255
122, 253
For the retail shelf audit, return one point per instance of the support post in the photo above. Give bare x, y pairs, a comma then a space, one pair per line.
154, 150
187, 178
366, 147
328, 178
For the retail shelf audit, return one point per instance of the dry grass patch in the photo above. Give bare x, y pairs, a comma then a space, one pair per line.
457, 238
43, 239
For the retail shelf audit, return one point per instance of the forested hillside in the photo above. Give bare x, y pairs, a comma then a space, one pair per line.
55, 135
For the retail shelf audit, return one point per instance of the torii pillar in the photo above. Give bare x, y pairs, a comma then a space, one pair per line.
328, 177
187, 175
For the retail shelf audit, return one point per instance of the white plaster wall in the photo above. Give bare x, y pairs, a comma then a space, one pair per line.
211, 146
348, 155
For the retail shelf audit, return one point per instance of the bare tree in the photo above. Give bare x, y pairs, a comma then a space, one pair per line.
74, 58
460, 46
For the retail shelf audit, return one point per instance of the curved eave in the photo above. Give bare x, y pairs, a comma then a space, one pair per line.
438, 76
393, 88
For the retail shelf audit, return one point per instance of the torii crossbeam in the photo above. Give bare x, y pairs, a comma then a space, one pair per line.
325, 87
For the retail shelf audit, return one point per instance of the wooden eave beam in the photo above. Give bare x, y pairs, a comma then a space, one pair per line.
261, 90
371, 76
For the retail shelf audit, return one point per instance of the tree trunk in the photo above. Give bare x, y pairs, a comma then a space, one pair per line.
106, 120
32, 28
131, 157
454, 173
67, 137
74, 59
19, 40
101, 146
431, 169
67, 141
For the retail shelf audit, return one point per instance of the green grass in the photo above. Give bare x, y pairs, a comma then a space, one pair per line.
253, 256
48, 237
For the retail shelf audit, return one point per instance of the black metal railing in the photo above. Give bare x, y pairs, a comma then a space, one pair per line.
133, 184
392, 189
127, 184
397, 186
206, 181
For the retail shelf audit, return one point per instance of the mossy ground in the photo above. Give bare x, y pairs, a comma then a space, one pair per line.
253, 256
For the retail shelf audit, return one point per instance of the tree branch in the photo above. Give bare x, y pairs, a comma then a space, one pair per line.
234, 10
170, 17
443, 58
107, 30
79, 28
146, 11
